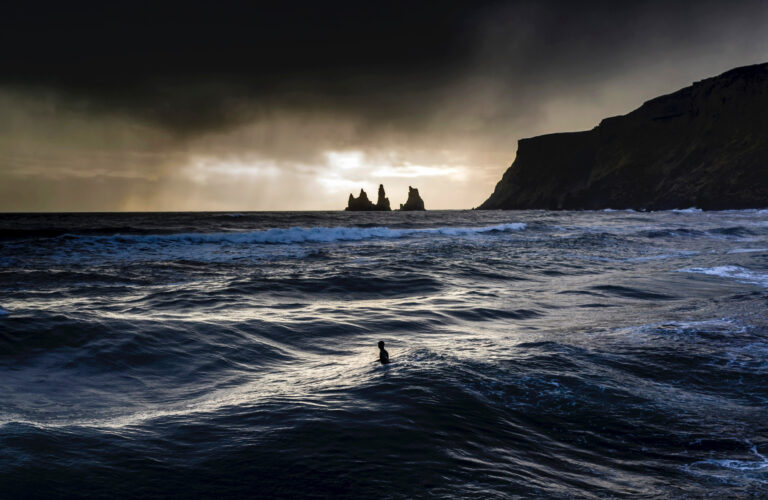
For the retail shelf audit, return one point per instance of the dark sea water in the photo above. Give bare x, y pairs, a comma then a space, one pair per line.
535, 354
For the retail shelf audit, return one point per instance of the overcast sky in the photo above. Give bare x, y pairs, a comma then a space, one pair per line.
132, 106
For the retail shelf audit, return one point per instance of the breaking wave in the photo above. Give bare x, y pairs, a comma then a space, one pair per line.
733, 272
304, 235
691, 210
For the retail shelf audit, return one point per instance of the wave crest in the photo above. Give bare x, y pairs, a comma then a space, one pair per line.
306, 235
734, 272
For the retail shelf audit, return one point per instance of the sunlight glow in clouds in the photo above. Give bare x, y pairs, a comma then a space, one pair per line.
348, 170
387, 166
409, 170
345, 160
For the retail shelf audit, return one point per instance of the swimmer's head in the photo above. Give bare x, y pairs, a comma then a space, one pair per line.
381, 344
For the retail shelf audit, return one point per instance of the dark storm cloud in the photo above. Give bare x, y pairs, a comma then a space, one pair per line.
200, 67
191, 66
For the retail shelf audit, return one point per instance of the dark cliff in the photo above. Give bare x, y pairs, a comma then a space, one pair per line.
414, 201
705, 146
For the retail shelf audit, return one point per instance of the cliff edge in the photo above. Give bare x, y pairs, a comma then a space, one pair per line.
705, 146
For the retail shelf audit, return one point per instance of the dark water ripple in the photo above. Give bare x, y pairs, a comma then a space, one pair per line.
537, 354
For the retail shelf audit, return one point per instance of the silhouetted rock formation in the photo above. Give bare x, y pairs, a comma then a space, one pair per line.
414, 201
363, 204
704, 146
383, 202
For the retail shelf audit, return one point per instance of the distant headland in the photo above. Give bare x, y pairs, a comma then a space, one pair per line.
705, 146
363, 204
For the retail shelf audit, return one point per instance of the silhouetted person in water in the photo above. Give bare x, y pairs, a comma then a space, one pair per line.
383, 354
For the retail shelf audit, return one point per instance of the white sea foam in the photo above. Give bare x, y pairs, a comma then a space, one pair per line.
748, 250
733, 272
739, 465
691, 210
304, 235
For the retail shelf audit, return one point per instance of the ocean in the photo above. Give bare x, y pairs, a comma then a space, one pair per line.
534, 354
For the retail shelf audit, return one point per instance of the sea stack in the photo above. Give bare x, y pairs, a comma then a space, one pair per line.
704, 146
382, 203
363, 204
414, 201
